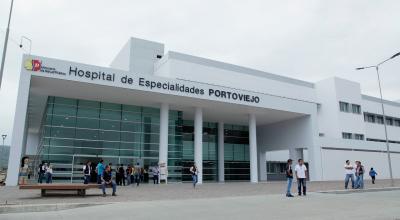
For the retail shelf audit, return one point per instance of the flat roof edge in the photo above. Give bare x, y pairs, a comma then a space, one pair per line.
375, 99
236, 68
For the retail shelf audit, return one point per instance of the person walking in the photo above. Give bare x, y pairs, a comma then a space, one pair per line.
99, 170
301, 175
41, 172
129, 175
137, 172
87, 170
194, 172
106, 180
156, 172
142, 175
49, 174
121, 173
349, 172
289, 177
24, 171
118, 177
359, 175
372, 174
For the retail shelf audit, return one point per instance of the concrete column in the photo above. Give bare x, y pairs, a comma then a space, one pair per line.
253, 149
262, 165
18, 139
163, 151
198, 142
295, 154
221, 156
314, 149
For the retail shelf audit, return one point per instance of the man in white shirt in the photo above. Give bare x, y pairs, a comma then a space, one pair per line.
349, 171
301, 175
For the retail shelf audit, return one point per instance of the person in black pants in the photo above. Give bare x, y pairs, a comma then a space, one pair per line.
87, 169
156, 172
121, 174
301, 175
41, 172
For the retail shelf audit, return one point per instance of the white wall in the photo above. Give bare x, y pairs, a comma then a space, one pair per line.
332, 122
328, 110
138, 56
377, 131
350, 92
334, 160
122, 60
292, 133
221, 76
144, 55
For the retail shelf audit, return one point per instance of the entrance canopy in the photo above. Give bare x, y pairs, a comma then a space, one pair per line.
213, 111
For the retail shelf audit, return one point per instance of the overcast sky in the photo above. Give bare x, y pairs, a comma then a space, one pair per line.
308, 40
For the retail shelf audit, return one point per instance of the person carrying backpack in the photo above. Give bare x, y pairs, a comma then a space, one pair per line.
359, 175
41, 172
87, 169
289, 177
194, 172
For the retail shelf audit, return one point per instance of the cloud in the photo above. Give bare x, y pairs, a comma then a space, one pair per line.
310, 40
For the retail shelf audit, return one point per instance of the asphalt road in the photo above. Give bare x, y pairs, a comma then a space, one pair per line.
366, 205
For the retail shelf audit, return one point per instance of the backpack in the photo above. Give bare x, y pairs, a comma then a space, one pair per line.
41, 170
361, 171
86, 171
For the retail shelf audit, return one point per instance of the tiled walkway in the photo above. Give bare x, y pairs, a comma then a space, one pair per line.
150, 192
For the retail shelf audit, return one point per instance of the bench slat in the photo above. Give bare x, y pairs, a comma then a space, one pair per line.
59, 186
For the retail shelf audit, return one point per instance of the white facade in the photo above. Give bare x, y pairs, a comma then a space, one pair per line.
284, 115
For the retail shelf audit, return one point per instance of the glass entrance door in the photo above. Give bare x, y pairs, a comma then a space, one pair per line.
80, 160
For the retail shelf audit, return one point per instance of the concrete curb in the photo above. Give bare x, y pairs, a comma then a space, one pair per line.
5, 209
350, 191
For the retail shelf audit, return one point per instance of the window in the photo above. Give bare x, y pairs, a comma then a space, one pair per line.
356, 108
359, 136
344, 106
397, 122
370, 118
389, 121
321, 134
379, 119
346, 135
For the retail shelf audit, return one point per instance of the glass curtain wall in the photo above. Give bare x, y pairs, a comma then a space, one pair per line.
175, 146
210, 146
75, 131
236, 153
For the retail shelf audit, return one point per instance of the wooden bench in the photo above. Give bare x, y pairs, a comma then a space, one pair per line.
79, 187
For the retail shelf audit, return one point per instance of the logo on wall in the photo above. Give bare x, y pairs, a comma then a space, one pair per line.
33, 65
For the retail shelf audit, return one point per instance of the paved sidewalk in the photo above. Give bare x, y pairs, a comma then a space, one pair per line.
368, 205
150, 192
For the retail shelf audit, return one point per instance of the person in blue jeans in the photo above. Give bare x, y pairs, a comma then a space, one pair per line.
349, 171
87, 169
49, 174
359, 176
372, 174
100, 170
289, 177
106, 180
194, 172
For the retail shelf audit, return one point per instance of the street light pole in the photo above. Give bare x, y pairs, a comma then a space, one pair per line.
3, 58
385, 125
4, 137
383, 113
